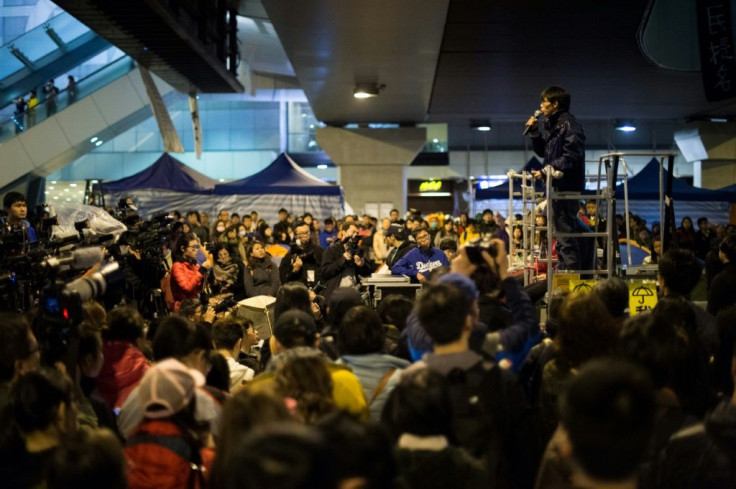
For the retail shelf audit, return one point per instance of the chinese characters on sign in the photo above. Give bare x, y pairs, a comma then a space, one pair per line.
642, 297
717, 62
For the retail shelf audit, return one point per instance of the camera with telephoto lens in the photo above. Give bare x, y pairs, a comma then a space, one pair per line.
351, 245
225, 304
475, 250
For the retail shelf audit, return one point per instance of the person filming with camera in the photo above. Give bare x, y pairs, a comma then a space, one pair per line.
342, 263
303, 261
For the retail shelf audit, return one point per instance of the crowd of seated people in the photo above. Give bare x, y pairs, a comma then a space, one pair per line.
461, 387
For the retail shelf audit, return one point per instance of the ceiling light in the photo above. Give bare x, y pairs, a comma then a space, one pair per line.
367, 90
98, 143
435, 140
625, 126
483, 125
94, 139
322, 167
72, 184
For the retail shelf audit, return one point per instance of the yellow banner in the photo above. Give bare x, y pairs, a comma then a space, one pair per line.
561, 281
642, 297
582, 285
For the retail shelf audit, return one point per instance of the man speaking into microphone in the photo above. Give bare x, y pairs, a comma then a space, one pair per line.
563, 149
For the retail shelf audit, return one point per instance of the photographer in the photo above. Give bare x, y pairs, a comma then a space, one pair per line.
420, 261
302, 262
342, 263
511, 321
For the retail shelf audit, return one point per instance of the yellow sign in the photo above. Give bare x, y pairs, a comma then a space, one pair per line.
581, 285
561, 281
642, 297
430, 186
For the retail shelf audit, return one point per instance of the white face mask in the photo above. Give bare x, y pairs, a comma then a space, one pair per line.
220, 229
242, 234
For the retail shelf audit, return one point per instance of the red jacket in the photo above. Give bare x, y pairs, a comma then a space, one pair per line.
121, 372
160, 458
186, 281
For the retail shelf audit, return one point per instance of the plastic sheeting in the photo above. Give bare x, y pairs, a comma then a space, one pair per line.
100, 221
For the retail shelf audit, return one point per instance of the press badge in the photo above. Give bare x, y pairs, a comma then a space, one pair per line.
310, 275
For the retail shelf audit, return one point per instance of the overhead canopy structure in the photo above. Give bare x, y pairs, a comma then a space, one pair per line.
690, 201
283, 176
281, 184
166, 173
166, 185
645, 186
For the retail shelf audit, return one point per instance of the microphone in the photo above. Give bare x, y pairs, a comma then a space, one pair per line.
537, 113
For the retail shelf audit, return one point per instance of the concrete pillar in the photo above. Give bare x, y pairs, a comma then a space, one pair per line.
713, 146
372, 162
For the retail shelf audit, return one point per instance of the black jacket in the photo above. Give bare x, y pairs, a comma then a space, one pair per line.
404, 248
261, 278
722, 292
312, 260
563, 149
334, 265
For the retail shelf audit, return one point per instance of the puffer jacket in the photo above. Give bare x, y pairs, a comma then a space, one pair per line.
370, 370
121, 372
563, 149
261, 278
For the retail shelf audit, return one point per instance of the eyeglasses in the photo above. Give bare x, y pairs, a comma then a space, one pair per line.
303, 234
422, 237
193, 247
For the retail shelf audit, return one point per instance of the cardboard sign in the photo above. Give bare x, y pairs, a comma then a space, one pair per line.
642, 297
561, 281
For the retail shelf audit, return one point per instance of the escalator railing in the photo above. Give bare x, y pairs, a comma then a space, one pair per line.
23, 121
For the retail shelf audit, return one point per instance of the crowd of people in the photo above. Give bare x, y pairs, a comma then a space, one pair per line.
24, 114
463, 386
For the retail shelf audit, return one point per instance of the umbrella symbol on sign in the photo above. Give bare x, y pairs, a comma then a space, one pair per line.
641, 293
582, 287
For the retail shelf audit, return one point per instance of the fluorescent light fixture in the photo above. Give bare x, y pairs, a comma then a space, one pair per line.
482, 125
72, 184
98, 143
625, 126
94, 139
53, 182
367, 90
435, 140
322, 167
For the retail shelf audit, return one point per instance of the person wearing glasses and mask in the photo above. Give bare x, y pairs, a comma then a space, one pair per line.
187, 275
420, 261
303, 261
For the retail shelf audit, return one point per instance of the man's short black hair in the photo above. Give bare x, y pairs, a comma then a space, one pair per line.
680, 271
614, 293
557, 94
360, 332
728, 247
234, 214
448, 244
176, 338
14, 343
394, 210
299, 224
442, 310
346, 225
193, 213
329, 220
608, 413
701, 220
226, 332
11, 198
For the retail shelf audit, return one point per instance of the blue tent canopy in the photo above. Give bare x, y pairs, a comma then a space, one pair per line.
167, 173
283, 176
645, 186
501, 191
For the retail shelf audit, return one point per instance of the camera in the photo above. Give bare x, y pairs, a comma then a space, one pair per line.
475, 250
225, 304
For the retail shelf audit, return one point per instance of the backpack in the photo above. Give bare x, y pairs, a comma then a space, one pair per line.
477, 415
